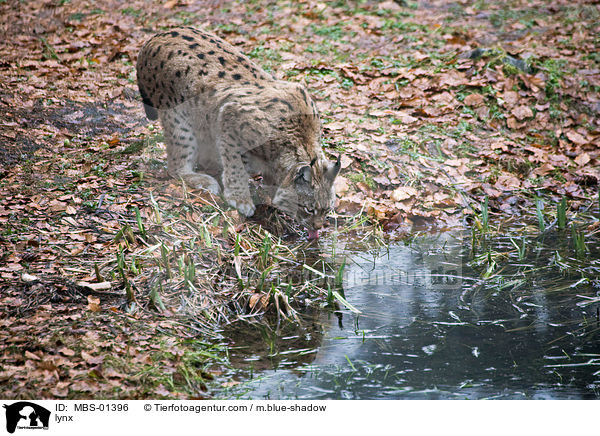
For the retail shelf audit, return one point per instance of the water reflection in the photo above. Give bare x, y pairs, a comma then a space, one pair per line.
429, 329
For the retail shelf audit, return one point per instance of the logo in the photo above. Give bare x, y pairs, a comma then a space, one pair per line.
26, 415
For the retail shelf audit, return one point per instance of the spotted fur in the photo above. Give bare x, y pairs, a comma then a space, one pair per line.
225, 120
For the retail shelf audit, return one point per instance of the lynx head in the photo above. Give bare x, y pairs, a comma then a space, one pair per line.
307, 193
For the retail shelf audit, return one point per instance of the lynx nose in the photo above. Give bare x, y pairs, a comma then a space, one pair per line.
318, 223
313, 229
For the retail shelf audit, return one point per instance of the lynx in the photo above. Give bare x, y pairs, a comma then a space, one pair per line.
226, 120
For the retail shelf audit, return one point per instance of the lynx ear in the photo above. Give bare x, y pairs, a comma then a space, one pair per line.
304, 174
334, 169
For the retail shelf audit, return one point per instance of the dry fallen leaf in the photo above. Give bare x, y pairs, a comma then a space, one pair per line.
341, 185
170, 4
92, 360
404, 192
57, 206
582, 159
380, 113
522, 112
27, 278
474, 100
576, 138
499, 145
405, 118
510, 98
390, 5
93, 303
512, 123
102, 286
259, 301
31, 355
543, 169
346, 161
336, 125
507, 182
378, 211
66, 352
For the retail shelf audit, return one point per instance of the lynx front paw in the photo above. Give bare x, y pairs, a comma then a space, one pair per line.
203, 181
244, 206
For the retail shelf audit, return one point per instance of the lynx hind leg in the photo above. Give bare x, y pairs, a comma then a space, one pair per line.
182, 151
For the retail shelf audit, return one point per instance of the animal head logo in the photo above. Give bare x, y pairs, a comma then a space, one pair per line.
25, 414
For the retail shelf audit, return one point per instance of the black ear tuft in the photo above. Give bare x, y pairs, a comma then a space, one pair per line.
312, 162
334, 168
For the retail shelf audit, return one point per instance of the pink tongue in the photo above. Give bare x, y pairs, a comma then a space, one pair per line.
313, 234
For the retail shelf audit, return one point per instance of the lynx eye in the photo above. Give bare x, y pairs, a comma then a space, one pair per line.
309, 211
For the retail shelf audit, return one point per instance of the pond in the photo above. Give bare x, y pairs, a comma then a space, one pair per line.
438, 320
